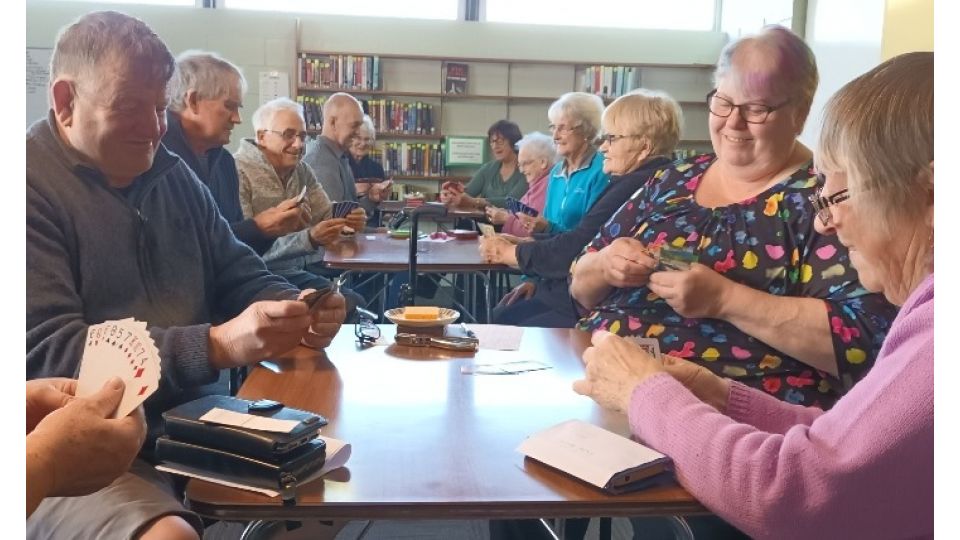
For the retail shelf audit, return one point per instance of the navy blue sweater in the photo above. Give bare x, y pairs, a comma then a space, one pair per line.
222, 181
550, 258
158, 251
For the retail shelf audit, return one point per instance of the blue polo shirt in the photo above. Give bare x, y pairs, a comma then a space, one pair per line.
571, 194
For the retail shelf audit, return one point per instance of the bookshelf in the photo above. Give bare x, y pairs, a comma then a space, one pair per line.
482, 91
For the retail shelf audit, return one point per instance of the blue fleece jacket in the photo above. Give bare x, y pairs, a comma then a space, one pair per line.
158, 251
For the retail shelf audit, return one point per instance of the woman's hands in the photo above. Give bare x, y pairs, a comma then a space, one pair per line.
696, 293
614, 366
626, 263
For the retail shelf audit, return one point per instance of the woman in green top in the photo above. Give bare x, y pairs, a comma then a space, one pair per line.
497, 179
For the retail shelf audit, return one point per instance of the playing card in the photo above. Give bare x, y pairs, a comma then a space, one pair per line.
528, 210
342, 208
651, 345
123, 349
676, 259
504, 368
513, 205
302, 196
487, 230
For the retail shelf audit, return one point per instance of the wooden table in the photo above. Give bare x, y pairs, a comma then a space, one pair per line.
432, 443
381, 253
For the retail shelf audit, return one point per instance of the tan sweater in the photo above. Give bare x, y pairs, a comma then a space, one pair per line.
261, 188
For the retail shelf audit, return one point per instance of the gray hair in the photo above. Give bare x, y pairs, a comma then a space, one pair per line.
541, 145
95, 39
887, 157
581, 108
207, 73
263, 116
796, 67
368, 124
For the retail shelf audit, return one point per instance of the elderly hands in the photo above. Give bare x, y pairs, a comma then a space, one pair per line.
271, 328
497, 216
532, 224
696, 293
284, 218
73, 445
452, 193
614, 366
498, 250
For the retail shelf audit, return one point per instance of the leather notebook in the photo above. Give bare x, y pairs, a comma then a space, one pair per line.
183, 423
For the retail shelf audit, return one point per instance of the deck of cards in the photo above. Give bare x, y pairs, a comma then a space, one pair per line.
342, 208
675, 259
516, 207
120, 349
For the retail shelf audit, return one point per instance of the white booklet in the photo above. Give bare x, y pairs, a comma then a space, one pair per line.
595, 455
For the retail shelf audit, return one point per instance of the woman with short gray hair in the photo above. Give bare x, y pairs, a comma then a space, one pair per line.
535, 157
577, 181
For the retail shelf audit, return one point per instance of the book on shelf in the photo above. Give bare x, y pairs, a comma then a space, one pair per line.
391, 116
339, 72
312, 111
610, 81
456, 79
412, 159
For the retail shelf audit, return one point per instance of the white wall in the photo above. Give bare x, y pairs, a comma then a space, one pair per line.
264, 41
845, 36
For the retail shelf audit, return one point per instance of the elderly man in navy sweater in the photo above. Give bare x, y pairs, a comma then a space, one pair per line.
117, 227
206, 94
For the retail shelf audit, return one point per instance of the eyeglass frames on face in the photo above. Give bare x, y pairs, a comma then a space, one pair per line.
610, 138
289, 135
822, 204
752, 113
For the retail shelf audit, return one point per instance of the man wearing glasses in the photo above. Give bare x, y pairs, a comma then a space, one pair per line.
206, 96
272, 172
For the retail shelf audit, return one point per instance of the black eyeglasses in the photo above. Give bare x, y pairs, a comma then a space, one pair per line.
366, 330
822, 204
289, 134
752, 113
610, 138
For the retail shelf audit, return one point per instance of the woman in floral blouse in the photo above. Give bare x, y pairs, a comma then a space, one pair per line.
769, 301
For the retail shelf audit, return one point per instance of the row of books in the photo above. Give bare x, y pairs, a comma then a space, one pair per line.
312, 110
609, 81
409, 118
410, 159
339, 71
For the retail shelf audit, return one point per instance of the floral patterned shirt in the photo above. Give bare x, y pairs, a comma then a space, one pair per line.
767, 242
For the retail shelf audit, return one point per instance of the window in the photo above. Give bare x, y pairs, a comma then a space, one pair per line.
408, 9
749, 16
152, 2
651, 14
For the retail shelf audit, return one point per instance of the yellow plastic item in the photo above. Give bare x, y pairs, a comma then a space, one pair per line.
421, 313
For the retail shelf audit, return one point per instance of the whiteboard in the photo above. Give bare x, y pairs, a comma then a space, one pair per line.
38, 74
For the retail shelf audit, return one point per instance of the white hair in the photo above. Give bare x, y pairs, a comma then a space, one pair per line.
540, 145
207, 73
368, 124
581, 108
263, 116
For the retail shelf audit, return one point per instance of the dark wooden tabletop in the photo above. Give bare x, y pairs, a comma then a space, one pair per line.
432, 443
380, 252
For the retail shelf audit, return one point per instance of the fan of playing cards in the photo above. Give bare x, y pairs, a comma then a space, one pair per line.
123, 349
516, 207
342, 208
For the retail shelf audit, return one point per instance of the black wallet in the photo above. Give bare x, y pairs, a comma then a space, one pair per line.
283, 477
183, 423
271, 460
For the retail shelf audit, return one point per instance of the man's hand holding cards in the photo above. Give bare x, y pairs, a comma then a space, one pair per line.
121, 349
327, 312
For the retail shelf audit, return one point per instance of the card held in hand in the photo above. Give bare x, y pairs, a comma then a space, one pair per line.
651, 345
120, 349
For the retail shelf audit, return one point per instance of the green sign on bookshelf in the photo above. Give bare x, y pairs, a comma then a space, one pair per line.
464, 151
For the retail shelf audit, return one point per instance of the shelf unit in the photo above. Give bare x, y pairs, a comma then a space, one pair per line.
520, 90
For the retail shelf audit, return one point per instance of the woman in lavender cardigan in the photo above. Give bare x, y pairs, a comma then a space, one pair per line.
863, 469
